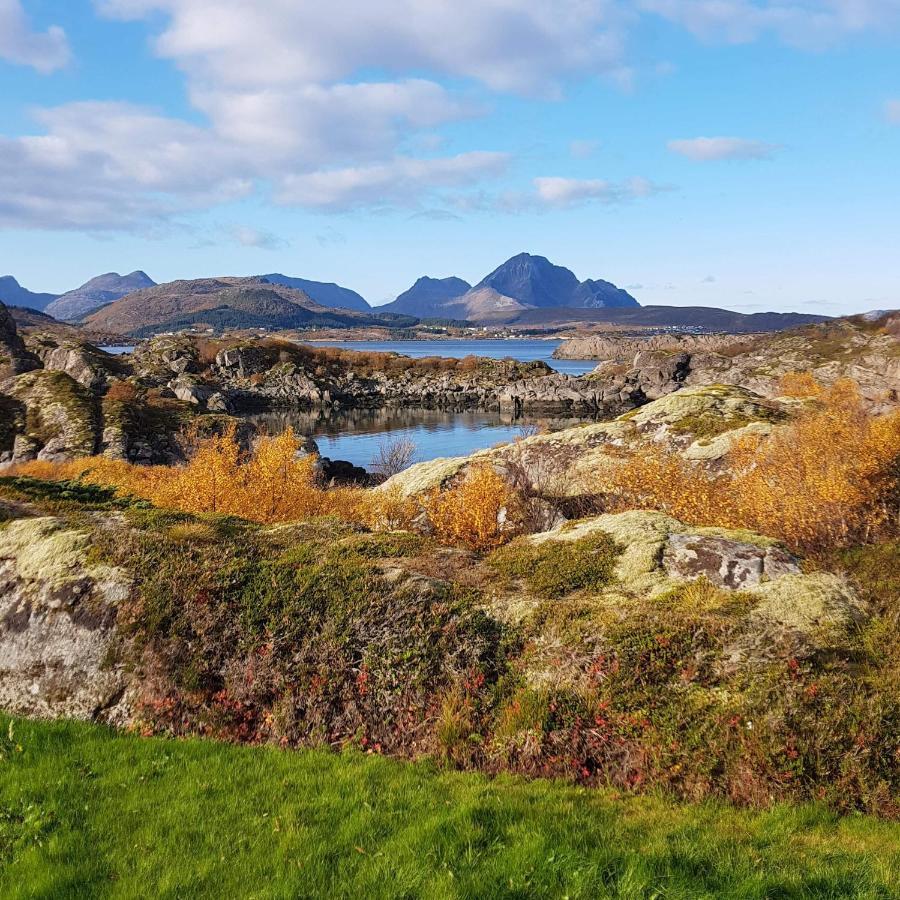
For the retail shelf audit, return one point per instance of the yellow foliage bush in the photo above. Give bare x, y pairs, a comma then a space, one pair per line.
481, 512
269, 484
799, 384
828, 479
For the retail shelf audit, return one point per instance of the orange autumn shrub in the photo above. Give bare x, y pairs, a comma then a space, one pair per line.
799, 385
828, 479
481, 512
270, 484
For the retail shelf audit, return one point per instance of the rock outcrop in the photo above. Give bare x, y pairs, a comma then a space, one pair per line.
58, 618
59, 418
864, 348
610, 348
14, 358
701, 423
86, 364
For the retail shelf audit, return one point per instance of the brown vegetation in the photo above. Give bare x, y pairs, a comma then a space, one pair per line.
828, 479
481, 512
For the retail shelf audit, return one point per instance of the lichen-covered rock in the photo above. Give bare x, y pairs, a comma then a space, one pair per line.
83, 362
864, 348
57, 625
726, 563
14, 358
60, 417
701, 423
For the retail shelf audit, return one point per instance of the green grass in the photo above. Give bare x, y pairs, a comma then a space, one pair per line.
87, 813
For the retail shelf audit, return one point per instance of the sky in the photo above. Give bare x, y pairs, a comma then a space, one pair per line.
735, 153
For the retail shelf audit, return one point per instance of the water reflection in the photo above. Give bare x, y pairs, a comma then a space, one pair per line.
356, 434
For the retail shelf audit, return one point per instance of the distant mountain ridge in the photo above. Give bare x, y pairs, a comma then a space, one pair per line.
75, 305
226, 303
429, 296
709, 318
535, 281
324, 293
522, 282
13, 294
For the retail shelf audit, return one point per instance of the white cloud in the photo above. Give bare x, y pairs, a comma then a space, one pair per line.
400, 181
44, 51
248, 236
112, 165
314, 124
567, 192
892, 111
805, 23
706, 149
504, 44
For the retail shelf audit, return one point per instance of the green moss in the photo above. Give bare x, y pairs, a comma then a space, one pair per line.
386, 545
557, 568
705, 426
57, 496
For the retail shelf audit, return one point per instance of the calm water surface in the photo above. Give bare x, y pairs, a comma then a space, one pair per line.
524, 350
357, 434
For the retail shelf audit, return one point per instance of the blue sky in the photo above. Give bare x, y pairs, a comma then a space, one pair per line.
737, 153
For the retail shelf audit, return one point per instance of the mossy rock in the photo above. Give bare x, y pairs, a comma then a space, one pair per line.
554, 568
60, 414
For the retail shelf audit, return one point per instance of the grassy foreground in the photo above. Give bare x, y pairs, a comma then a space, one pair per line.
86, 812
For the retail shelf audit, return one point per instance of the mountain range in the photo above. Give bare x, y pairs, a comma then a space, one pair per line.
13, 294
227, 303
324, 293
74, 305
523, 282
525, 291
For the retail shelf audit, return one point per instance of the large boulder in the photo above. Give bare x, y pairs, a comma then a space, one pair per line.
57, 625
59, 417
701, 423
83, 362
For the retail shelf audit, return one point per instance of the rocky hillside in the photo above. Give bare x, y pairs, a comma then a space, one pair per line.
865, 348
75, 305
324, 293
225, 303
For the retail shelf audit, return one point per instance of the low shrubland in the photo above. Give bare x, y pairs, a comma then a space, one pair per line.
829, 478
268, 608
